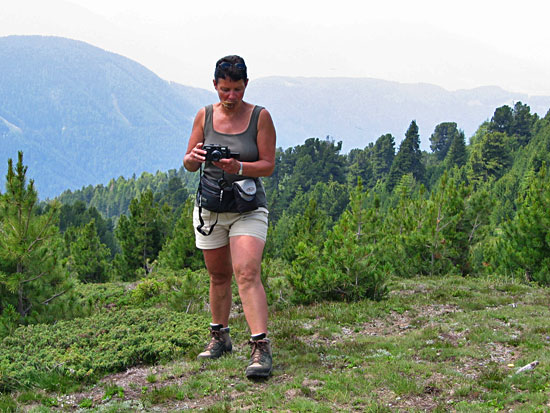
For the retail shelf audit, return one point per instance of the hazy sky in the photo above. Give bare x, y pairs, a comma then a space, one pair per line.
452, 44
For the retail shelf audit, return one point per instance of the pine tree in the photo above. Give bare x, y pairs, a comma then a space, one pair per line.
88, 256
502, 120
346, 266
29, 245
141, 235
174, 195
489, 157
522, 123
525, 246
360, 165
77, 215
309, 228
457, 155
447, 232
408, 158
404, 226
383, 154
180, 252
442, 138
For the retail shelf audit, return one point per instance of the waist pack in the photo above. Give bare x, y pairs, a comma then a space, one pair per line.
244, 193
238, 197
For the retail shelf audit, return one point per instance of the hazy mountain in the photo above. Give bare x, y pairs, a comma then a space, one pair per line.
358, 111
83, 115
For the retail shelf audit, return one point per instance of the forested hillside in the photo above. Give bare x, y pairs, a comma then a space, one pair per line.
449, 209
84, 115
465, 209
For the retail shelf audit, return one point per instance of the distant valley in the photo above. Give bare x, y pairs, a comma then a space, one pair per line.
83, 115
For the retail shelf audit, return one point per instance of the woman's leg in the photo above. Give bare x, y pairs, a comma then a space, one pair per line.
246, 255
218, 264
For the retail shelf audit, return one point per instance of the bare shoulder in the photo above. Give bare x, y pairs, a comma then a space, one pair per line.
265, 118
200, 114
266, 131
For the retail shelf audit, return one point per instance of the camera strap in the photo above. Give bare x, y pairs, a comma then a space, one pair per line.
201, 225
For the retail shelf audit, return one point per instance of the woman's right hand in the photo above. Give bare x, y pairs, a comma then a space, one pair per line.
197, 154
194, 158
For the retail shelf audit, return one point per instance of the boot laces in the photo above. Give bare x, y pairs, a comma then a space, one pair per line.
258, 349
216, 338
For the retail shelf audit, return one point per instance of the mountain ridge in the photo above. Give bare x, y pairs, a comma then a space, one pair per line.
83, 115
367, 108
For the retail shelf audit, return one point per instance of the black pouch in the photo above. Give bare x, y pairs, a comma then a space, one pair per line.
213, 197
244, 193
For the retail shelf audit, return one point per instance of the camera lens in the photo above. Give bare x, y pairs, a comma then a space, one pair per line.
216, 155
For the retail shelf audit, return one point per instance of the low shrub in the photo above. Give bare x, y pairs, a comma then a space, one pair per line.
86, 348
183, 290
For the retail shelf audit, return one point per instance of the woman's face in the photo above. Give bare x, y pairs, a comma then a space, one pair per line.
230, 92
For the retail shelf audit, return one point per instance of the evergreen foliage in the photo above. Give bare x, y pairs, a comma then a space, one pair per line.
403, 224
86, 348
489, 157
141, 236
523, 122
517, 122
346, 266
408, 158
440, 141
30, 274
300, 168
503, 120
114, 199
525, 245
464, 209
309, 228
361, 164
77, 215
89, 257
457, 154
383, 154
179, 251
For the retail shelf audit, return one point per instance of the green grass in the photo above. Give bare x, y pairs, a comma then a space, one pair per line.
435, 344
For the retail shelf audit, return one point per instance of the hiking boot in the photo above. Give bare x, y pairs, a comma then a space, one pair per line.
219, 344
261, 361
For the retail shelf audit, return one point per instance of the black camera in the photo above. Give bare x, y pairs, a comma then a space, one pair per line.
216, 152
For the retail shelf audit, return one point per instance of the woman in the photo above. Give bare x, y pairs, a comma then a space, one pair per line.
237, 240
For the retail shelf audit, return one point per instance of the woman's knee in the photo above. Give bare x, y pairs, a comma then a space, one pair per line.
247, 275
220, 277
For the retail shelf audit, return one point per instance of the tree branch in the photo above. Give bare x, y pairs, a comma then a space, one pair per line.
39, 236
54, 297
474, 227
34, 278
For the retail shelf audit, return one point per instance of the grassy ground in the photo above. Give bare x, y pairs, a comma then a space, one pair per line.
446, 344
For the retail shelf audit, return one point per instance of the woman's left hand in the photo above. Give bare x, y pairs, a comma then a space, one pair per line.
229, 165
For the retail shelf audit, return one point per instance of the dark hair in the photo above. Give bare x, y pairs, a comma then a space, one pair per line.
235, 70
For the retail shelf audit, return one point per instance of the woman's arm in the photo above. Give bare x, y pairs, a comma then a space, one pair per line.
195, 155
266, 141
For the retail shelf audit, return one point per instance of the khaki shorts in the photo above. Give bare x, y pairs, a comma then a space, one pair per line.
230, 224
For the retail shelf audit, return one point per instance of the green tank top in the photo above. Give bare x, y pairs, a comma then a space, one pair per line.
245, 143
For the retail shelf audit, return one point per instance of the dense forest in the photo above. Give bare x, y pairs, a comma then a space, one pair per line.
340, 224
